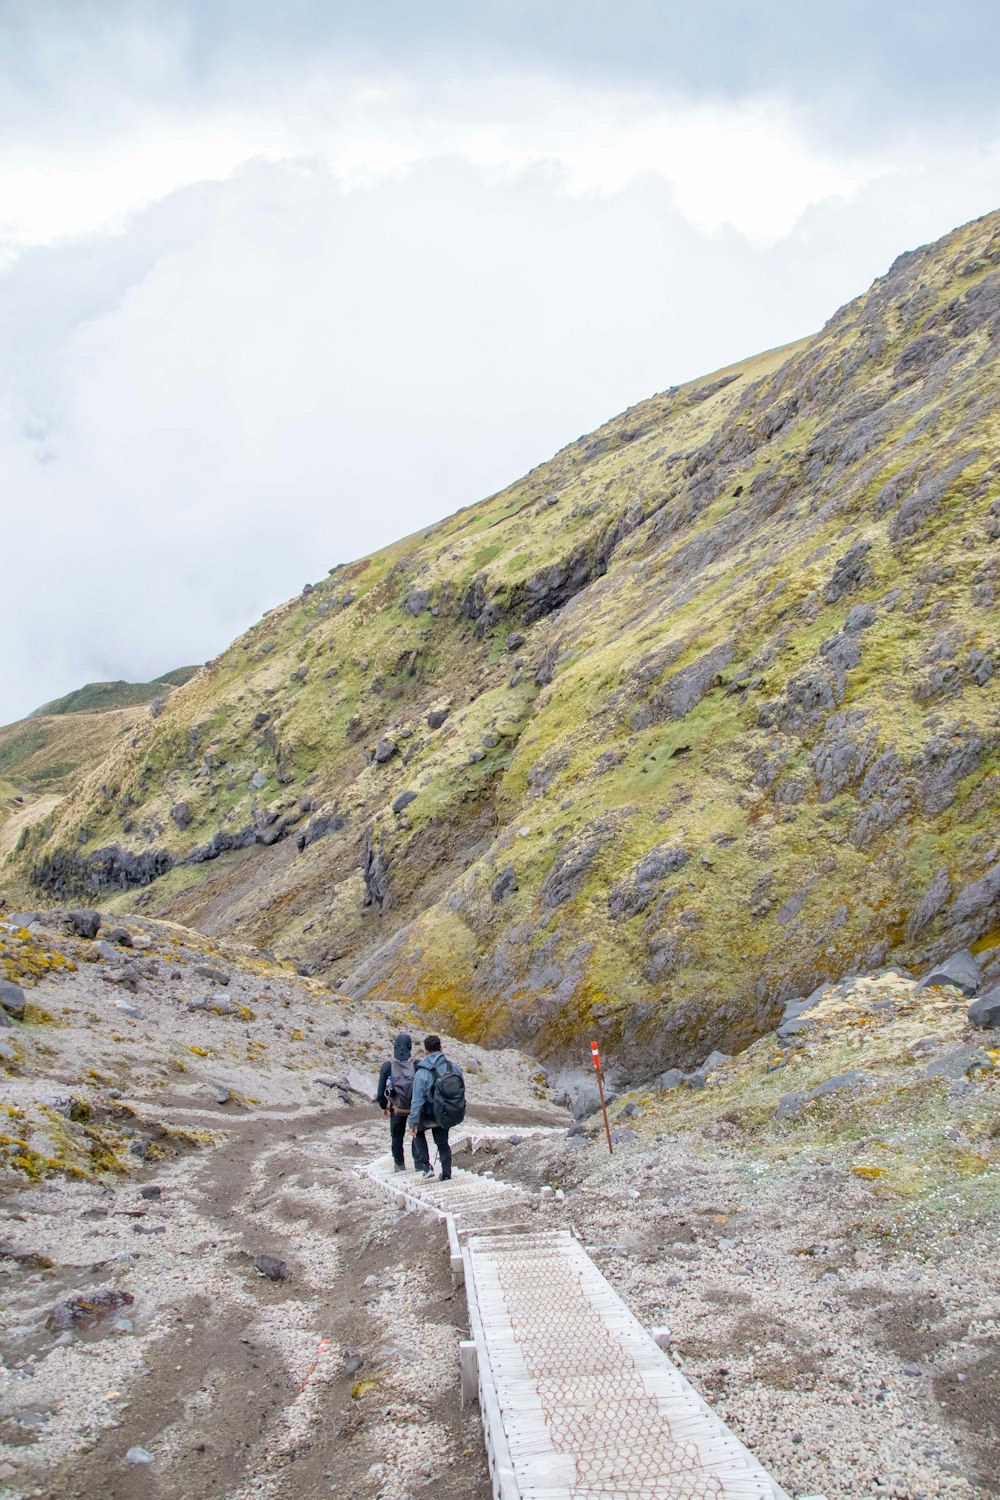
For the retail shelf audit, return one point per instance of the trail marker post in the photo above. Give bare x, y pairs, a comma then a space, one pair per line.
600, 1090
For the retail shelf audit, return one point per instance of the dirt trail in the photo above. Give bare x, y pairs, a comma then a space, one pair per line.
234, 1395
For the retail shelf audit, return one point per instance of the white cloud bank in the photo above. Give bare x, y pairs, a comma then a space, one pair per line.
348, 310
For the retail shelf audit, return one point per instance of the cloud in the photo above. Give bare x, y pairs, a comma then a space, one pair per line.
273, 298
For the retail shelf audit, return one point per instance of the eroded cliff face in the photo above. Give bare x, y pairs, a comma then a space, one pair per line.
697, 714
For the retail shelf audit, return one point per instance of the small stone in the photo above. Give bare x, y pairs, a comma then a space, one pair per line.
271, 1267
132, 1011
151, 1190
370, 1281
139, 1456
219, 1093
400, 803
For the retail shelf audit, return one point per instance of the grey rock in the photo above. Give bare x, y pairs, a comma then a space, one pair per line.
106, 951
848, 573
859, 618
120, 936
197, 1002
271, 1267
12, 1000
621, 1136
258, 780
671, 1079
402, 801
385, 750
219, 1093
977, 896
981, 667
85, 922
126, 1009
930, 904
957, 1063
217, 976
959, 969
985, 1012
505, 884
791, 1105
436, 718
139, 1456
5, 1023
839, 1082
181, 815
151, 1190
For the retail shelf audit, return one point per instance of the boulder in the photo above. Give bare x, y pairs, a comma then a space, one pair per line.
985, 1012
119, 935
385, 750
436, 718
402, 801
671, 1079
960, 970
85, 922
12, 999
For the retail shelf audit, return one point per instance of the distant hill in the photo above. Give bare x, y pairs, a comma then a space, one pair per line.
102, 697
701, 713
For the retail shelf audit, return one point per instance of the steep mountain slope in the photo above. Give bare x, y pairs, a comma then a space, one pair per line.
697, 714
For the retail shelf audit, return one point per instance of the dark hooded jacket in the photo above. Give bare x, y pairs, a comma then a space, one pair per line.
402, 1047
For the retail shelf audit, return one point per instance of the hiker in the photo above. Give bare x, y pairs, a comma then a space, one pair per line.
438, 1102
395, 1090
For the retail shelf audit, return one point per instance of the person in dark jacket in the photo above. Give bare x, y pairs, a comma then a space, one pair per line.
429, 1068
395, 1091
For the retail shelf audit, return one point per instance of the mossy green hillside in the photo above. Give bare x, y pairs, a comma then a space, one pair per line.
697, 714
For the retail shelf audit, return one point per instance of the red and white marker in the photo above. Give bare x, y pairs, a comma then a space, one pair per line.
600, 1088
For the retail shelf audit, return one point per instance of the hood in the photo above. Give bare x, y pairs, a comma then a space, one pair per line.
402, 1047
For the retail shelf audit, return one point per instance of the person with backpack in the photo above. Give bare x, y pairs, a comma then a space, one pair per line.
395, 1092
438, 1103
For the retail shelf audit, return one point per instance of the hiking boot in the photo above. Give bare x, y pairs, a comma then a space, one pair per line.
445, 1177
400, 1166
425, 1171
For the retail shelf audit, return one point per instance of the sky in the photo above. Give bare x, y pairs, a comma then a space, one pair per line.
282, 282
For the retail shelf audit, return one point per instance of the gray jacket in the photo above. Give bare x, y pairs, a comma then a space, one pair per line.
428, 1068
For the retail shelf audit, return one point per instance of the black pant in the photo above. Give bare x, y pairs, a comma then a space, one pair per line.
397, 1137
421, 1156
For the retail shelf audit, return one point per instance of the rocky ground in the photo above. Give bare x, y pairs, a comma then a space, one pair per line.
191, 1271
817, 1224
206, 1284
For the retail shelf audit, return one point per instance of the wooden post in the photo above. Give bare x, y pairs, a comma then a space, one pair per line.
600, 1089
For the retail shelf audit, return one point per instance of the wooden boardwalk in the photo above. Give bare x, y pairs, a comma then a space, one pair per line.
578, 1401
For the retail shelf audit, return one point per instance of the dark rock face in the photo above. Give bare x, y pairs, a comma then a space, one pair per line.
376, 865
320, 826
181, 814
436, 718
930, 904
849, 573
628, 897
63, 873
385, 750
505, 884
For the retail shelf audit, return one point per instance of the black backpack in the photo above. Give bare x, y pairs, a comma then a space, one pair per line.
447, 1098
399, 1085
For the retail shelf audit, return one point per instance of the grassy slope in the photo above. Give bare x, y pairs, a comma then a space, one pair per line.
672, 689
100, 697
